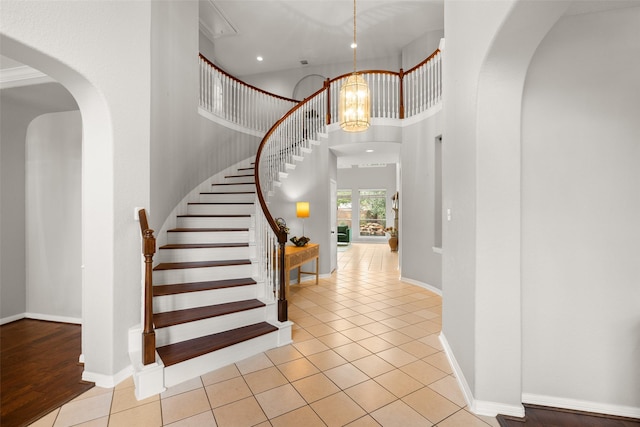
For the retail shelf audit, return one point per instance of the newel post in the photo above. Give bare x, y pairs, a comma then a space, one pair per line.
283, 310
402, 93
148, 250
327, 86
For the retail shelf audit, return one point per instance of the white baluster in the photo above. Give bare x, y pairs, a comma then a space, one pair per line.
431, 91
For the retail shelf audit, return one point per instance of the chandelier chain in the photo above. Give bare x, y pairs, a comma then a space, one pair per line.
355, 44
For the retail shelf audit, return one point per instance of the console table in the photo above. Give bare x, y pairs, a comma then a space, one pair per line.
295, 257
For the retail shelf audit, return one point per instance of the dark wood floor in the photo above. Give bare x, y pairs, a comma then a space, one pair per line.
40, 369
540, 416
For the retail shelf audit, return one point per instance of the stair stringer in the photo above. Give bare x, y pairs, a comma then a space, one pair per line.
193, 196
284, 174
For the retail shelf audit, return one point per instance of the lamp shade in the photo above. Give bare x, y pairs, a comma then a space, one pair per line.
354, 104
302, 209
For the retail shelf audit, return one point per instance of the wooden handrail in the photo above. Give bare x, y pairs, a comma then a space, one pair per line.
412, 69
220, 70
148, 249
342, 76
280, 234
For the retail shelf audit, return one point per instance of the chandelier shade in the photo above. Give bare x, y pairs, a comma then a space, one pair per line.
354, 102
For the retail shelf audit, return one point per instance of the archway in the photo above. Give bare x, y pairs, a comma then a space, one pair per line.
97, 206
498, 216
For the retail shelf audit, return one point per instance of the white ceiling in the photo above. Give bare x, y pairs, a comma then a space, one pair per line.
284, 32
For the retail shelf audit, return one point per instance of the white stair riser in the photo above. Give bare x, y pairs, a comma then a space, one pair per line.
208, 237
187, 300
238, 179
214, 222
232, 188
187, 275
213, 325
227, 198
193, 368
203, 254
231, 209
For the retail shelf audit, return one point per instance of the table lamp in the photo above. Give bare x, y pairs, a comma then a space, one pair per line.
302, 211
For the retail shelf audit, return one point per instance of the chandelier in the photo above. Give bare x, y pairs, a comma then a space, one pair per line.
354, 103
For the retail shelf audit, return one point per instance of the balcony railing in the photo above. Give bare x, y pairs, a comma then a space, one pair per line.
230, 99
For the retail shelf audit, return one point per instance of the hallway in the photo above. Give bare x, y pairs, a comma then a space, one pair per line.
365, 353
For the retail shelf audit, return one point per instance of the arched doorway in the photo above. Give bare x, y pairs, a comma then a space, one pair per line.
96, 222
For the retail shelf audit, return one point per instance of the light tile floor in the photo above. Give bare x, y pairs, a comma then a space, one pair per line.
365, 353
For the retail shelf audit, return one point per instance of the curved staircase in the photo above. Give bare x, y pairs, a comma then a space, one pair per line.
209, 309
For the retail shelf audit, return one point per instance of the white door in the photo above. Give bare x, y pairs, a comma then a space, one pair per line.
333, 241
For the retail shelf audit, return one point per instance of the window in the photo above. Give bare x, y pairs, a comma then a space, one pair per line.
373, 212
344, 208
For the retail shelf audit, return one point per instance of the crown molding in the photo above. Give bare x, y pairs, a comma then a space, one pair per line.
22, 76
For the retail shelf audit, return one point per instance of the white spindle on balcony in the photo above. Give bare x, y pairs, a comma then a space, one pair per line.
237, 102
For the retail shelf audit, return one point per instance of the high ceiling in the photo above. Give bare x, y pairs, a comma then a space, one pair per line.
285, 32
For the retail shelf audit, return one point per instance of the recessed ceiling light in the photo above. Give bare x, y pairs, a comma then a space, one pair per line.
369, 151
259, 58
354, 45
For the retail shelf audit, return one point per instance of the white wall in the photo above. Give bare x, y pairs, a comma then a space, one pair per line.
470, 27
53, 238
19, 107
100, 52
284, 82
309, 182
581, 210
420, 264
368, 178
174, 97
420, 49
13, 128
484, 76
186, 148
488, 48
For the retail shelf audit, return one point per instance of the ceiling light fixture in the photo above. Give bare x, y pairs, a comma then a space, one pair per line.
354, 103
259, 58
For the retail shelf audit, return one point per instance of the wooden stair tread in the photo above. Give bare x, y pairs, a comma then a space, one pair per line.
161, 290
239, 176
200, 264
220, 203
179, 352
222, 193
215, 216
190, 230
235, 183
246, 169
203, 245
177, 317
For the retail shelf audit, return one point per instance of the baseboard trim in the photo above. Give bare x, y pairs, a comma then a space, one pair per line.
108, 381
479, 407
52, 318
462, 382
422, 285
581, 405
13, 318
